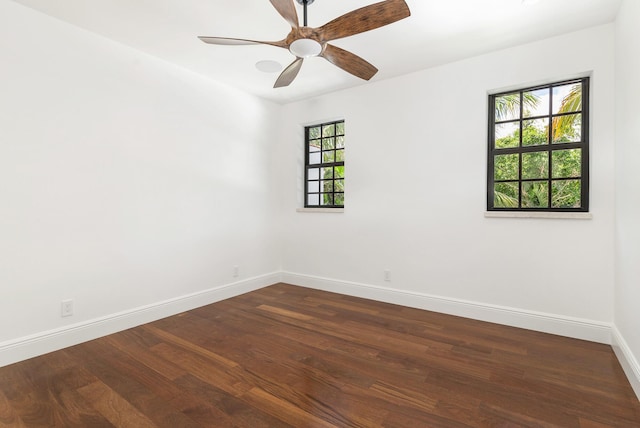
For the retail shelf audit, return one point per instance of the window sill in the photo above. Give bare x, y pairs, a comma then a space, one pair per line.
536, 214
320, 210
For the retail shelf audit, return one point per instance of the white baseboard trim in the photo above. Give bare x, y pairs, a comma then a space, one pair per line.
593, 331
53, 340
628, 361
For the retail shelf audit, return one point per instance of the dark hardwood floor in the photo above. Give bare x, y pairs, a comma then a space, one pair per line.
286, 356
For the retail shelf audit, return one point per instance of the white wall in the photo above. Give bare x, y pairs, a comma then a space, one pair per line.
627, 291
124, 181
416, 191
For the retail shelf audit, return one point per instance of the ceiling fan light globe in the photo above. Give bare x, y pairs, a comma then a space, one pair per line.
305, 48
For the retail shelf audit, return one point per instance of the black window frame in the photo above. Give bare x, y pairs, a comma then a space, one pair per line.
549, 148
322, 180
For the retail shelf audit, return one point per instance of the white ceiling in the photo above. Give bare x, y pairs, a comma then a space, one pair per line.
438, 31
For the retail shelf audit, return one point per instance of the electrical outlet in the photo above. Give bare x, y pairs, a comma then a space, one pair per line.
387, 275
67, 308
236, 271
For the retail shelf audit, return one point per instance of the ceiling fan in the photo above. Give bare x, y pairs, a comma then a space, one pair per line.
305, 42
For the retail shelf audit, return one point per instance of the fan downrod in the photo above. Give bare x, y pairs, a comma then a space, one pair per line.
305, 3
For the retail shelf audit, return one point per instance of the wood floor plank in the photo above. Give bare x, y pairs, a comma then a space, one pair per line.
80, 412
8, 416
229, 380
286, 356
211, 406
284, 410
113, 407
38, 395
586, 423
138, 385
167, 337
142, 354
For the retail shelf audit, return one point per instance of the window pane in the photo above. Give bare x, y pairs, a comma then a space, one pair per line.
339, 155
340, 128
314, 186
339, 186
507, 107
339, 198
505, 195
339, 171
536, 103
327, 199
567, 129
328, 156
566, 193
535, 194
567, 163
314, 133
313, 174
313, 200
327, 172
314, 146
507, 167
327, 186
314, 158
535, 165
340, 142
567, 98
328, 143
507, 135
535, 132
329, 130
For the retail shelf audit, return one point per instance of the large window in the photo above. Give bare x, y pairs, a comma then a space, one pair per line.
324, 165
539, 148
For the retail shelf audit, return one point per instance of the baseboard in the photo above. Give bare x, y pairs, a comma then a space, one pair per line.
628, 361
53, 340
593, 331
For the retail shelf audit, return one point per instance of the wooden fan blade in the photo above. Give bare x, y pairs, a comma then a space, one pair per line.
349, 62
287, 10
289, 73
364, 19
232, 42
